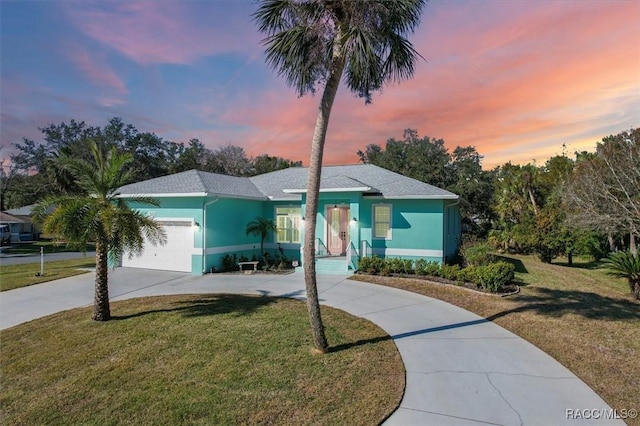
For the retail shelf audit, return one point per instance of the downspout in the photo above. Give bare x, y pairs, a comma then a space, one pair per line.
204, 233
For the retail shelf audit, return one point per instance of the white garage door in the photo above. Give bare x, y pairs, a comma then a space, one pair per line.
175, 255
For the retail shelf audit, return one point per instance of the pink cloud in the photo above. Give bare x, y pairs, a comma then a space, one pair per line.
151, 32
95, 68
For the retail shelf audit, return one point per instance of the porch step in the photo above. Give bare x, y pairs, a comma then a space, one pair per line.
332, 265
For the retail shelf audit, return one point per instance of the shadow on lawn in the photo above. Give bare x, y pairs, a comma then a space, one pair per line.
556, 303
215, 304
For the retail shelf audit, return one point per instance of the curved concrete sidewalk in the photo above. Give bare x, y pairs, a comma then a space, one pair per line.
461, 369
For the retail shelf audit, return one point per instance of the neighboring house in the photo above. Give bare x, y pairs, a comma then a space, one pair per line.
364, 210
20, 224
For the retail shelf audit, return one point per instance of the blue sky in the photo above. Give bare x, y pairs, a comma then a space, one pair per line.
516, 79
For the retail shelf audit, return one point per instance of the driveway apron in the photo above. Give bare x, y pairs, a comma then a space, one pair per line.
460, 368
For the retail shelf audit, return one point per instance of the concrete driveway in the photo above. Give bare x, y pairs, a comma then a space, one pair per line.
461, 369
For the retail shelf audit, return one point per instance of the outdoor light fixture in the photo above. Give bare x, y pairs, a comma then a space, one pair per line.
196, 224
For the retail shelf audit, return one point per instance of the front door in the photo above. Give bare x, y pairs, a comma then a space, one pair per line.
338, 230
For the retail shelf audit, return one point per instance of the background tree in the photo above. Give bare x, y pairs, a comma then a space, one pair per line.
425, 159
428, 160
315, 42
97, 214
265, 163
261, 227
604, 191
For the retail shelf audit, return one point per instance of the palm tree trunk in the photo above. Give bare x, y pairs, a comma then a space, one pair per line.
101, 311
313, 194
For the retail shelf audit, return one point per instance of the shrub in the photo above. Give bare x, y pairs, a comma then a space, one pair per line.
450, 272
495, 276
371, 265
395, 265
419, 266
477, 254
432, 269
624, 264
229, 263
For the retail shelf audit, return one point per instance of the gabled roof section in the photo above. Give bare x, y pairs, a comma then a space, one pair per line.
364, 178
194, 183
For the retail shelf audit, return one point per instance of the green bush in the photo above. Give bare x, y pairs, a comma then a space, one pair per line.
395, 265
229, 263
371, 265
494, 277
477, 253
450, 272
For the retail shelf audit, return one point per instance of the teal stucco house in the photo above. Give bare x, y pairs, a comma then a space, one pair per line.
364, 210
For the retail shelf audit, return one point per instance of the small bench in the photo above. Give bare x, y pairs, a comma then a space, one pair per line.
248, 271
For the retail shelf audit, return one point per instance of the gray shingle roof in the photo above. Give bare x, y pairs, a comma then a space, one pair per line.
381, 181
287, 184
195, 182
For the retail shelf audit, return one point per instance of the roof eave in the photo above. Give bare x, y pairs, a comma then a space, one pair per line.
416, 197
354, 189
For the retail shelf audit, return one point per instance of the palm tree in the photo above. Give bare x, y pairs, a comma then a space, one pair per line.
315, 42
261, 226
98, 215
625, 264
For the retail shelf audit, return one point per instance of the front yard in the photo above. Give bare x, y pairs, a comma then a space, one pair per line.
582, 317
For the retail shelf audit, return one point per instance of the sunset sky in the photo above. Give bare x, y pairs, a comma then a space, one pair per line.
516, 79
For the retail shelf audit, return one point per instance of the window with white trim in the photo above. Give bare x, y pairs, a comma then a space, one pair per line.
288, 220
382, 221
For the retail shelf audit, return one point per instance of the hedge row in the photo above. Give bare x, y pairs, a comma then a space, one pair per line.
492, 277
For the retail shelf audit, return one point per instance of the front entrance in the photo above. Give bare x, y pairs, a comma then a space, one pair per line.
337, 230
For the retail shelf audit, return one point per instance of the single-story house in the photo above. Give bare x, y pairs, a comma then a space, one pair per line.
19, 221
363, 210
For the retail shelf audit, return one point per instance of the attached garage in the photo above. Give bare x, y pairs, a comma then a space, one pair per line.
175, 255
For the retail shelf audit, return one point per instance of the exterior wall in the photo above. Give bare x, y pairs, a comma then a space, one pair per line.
428, 229
417, 229
226, 223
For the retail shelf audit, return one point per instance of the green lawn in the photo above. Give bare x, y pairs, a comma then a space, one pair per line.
582, 317
198, 359
34, 247
16, 276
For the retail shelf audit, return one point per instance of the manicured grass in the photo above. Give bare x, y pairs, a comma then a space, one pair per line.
16, 276
582, 317
33, 247
198, 359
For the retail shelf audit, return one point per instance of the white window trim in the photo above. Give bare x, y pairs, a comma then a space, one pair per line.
373, 222
275, 216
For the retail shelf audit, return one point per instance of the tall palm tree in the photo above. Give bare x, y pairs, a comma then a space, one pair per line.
261, 226
98, 215
313, 43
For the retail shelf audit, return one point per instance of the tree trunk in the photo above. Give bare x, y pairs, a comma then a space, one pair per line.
570, 258
101, 311
313, 194
612, 243
632, 244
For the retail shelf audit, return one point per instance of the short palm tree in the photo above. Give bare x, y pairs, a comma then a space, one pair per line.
98, 215
261, 227
315, 42
625, 264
